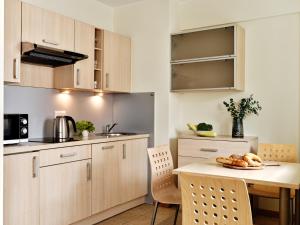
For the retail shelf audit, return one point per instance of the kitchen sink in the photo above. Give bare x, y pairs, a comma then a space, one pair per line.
115, 134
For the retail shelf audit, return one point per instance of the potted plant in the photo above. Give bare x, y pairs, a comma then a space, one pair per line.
239, 110
85, 127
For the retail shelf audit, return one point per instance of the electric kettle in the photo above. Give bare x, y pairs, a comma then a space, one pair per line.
62, 127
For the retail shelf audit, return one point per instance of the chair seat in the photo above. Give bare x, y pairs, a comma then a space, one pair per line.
266, 191
168, 195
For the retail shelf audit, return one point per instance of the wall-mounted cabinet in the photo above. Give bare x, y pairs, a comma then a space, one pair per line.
107, 69
117, 63
12, 40
98, 65
81, 74
47, 28
211, 59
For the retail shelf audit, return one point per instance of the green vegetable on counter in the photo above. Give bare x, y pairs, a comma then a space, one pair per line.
204, 127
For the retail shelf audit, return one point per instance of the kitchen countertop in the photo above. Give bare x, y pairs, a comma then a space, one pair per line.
34, 146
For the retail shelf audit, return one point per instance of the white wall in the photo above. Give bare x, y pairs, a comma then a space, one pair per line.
89, 11
147, 23
195, 13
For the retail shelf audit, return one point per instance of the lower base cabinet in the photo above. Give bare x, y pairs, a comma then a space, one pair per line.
21, 189
119, 173
66, 185
65, 193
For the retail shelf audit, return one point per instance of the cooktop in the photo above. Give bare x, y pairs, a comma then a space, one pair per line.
51, 140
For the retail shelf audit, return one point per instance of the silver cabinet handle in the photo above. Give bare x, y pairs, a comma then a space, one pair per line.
50, 42
209, 150
35, 167
124, 151
107, 80
88, 169
68, 155
16, 70
78, 77
107, 147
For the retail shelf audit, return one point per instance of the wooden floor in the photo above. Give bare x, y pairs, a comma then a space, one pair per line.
142, 215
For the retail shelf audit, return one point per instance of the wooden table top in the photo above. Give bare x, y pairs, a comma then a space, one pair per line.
287, 175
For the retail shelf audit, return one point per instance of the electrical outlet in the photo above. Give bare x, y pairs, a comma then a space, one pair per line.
59, 113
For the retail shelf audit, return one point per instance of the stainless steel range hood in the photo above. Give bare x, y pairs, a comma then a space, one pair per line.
37, 54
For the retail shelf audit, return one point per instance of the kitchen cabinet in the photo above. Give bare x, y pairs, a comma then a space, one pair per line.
81, 74
208, 59
47, 28
193, 149
65, 193
106, 191
119, 173
134, 166
117, 63
21, 189
12, 40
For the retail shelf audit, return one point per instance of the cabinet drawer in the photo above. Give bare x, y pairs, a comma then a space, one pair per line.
63, 155
184, 160
211, 148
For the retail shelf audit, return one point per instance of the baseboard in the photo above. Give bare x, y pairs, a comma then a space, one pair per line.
111, 212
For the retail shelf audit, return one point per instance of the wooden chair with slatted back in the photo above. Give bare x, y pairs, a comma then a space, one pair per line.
163, 186
278, 153
214, 200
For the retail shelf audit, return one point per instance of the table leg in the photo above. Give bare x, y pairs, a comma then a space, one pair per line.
297, 220
284, 206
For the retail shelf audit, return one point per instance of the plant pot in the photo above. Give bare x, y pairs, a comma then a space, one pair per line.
85, 133
237, 128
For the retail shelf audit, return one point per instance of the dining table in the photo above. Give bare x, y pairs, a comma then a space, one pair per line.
284, 175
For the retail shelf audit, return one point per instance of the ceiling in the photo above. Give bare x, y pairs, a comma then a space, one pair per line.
116, 3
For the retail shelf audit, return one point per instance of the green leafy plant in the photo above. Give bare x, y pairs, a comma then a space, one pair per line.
243, 108
85, 125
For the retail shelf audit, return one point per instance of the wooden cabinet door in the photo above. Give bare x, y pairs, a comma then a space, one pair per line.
84, 43
134, 167
12, 41
21, 189
117, 62
106, 189
47, 28
65, 193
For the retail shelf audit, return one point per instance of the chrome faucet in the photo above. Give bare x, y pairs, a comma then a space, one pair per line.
109, 127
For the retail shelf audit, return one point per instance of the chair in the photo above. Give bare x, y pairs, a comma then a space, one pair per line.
163, 186
279, 153
214, 200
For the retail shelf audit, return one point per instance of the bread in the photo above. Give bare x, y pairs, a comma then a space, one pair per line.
236, 156
224, 160
253, 160
254, 157
232, 161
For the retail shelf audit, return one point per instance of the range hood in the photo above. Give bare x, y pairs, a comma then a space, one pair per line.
38, 54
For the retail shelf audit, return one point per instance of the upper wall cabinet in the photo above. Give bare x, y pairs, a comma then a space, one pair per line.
12, 41
117, 63
47, 28
81, 74
211, 59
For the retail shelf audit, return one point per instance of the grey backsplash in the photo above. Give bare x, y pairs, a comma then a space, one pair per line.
133, 112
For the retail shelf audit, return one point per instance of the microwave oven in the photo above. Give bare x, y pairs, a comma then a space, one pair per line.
15, 128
